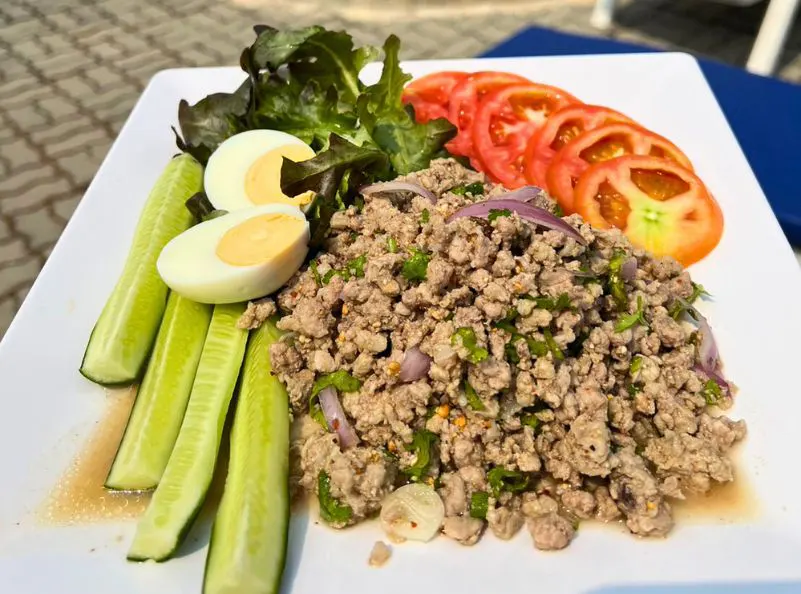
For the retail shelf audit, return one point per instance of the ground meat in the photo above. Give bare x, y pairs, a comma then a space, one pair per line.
531, 400
550, 532
380, 554
256, 313
464, 530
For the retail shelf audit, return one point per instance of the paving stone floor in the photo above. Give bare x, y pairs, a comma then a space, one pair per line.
71, 70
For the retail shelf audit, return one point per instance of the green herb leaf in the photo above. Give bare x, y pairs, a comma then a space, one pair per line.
501, 480
508, 322
392, 245
495, 213
318, 280
616, 286
415, 266
552, 346
561, 303
425, 216
202, 209
712, 392
633, 389
631, 320
636, 365
422, 445
473, 401
557, 210
680, 306
466, 336
530, 420
356, 266
479, 505
391, 124
331, 510
341, 380
474, 189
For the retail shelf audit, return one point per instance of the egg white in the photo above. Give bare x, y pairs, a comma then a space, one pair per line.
190, 266
227, 168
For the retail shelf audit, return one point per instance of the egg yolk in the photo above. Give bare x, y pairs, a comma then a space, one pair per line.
263, 179
259, 239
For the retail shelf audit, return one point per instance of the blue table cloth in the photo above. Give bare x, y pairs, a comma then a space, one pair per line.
764, 113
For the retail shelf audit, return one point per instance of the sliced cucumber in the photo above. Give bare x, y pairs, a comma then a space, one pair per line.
182, 489
161, 400
248, 541
123, 335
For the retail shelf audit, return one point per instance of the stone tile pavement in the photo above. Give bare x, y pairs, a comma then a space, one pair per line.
71, 71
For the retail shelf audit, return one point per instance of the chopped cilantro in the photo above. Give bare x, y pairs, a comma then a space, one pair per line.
680, 306
466, 336
473, 401
552, 346
415, 266
712, 392
636, 365
631, 320
501, 479
422, 446
356, 266
557, 210
329, 275
425, 216
496, 213
474, 189
392, 245
331, 510
479, 505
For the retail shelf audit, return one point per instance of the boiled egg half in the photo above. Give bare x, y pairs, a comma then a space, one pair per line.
245, 170
238, 256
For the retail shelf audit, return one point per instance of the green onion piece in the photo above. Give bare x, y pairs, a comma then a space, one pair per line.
631, 320
473, 400
501, 479
425, 216
356, 266
315, 273
422, 445
636, 365
712, 392
479, 505
331, 510
392, 245
552, 346
507, 323
561, 303
416, 266
530, 420
617, 288
467, 337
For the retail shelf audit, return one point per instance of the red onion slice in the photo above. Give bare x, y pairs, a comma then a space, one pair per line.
714, 375
629, 269
524, 194
530, 213
415, 365
708, 354
336, 418
395, 186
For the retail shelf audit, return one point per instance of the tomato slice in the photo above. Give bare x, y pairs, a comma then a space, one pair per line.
562, 127
464, 100
660, 206
430, 95
506, 120
602, 144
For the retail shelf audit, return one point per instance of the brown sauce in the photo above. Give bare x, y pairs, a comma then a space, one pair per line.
79, 496
727, 503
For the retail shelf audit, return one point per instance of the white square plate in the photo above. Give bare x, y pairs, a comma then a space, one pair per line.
49, 409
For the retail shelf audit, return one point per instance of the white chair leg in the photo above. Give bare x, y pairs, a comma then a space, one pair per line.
771, 37
602, 14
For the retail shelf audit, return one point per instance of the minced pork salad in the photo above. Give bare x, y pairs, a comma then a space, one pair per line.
514, 367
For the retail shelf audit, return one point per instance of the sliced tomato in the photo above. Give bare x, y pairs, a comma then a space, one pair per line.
562, 127
602, 144
430, 95
661, 206
506, 120
464, 101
